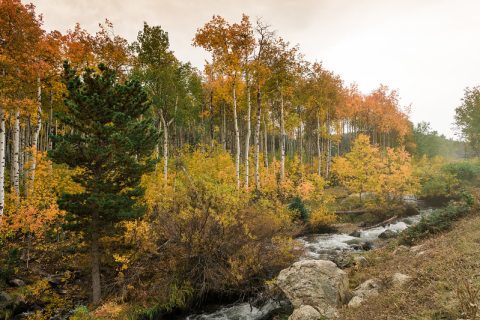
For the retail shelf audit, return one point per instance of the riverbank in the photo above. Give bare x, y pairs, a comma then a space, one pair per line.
444, 281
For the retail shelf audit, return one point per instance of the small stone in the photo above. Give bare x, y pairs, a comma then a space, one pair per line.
399, 279
367, 246
16, 283
356, 234
360, 261
387, 234
368, 288
305, 313
355, 302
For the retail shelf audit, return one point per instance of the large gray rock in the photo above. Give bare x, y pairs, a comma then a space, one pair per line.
317, 283
305, 313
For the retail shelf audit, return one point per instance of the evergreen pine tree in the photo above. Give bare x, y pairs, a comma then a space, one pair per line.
112, 141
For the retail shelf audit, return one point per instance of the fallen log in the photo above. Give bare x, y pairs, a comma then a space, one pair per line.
382, 223
358, 211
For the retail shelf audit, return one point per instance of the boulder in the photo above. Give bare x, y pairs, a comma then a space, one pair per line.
387, 234
399, 279
317, 283
305, 313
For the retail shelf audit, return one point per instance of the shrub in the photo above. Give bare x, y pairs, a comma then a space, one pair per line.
298, 207
438, 221
322, 217
435, 182
201, 236
466, 171
81, 313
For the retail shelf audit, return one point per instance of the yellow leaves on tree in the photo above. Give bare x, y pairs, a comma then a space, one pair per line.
39, 212
397, 178
200, 230
359, 169
364, 169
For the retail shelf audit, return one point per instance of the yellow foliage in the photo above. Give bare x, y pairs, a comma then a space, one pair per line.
39, 211
322, 217
364, 169
359, 170
200, 230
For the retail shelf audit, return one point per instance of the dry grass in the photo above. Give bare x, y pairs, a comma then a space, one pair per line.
445, 280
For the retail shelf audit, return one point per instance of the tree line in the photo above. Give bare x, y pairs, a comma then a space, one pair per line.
110, 140
257, 95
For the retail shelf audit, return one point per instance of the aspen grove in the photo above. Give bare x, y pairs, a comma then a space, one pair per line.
145, 181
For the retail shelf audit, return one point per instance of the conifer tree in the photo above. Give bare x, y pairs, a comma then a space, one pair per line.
112, 142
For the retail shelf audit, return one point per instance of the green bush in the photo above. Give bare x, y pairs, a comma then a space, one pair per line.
81, 313
440, 220
466, 171
299, 208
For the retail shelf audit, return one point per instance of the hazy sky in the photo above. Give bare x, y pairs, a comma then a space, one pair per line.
427, 49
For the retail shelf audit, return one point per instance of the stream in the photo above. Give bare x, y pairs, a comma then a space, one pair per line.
335, 247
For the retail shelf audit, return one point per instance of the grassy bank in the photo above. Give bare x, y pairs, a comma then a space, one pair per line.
445, 280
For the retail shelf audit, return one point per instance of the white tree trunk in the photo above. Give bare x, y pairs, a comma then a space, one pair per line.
16, 154
237, 136
2, 161
265, 145
282, 140
36, 134
319, 147
257, 140
329, 148
247, 139
165, 148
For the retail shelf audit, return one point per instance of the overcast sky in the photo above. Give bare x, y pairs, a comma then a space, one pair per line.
427, 49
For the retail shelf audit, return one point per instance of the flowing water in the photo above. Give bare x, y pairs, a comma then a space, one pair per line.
317, 246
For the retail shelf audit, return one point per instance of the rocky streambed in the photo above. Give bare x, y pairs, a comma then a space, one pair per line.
336, 247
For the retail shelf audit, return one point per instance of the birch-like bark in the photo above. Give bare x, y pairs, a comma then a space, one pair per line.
165, 147
211, 119
247, 138
237, 136
2, 161
329, 148
319, 147
282, 139
301, 142
36, 134
257, 139
16, 154
224, 128
265, 145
